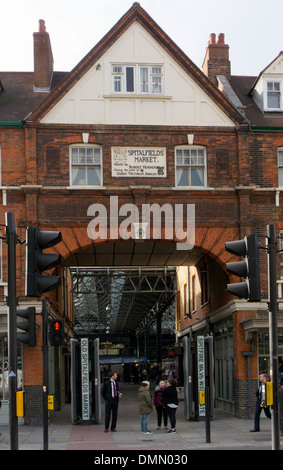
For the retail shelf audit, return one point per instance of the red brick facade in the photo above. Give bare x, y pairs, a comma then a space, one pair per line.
240, 197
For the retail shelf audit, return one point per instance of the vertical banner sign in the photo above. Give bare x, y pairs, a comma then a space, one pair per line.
85, 379
201, 372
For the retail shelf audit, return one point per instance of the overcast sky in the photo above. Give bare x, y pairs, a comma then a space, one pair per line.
253, 29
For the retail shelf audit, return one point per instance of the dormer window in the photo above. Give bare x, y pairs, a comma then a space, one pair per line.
273, 96
137, 79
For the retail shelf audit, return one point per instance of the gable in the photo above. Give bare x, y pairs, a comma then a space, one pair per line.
270, 82
276, 66
92, 99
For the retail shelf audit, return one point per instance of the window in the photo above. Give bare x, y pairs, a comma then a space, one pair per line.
86, 165
190, 166
123, 79
280, 166
1, 258
273, 95
137, 79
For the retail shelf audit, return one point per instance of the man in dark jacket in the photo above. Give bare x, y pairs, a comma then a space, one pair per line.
260, 405
111, 394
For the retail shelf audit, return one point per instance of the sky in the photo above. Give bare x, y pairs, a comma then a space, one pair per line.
253, 29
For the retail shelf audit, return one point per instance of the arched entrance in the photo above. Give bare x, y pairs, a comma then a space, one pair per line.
126, 294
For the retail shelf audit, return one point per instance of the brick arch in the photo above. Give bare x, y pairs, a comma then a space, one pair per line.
209, 240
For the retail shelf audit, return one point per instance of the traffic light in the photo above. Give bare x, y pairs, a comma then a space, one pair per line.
29, 326
38, 262
249, 269
57, 332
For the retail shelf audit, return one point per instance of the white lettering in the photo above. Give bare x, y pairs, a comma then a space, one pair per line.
174, 220
104, 460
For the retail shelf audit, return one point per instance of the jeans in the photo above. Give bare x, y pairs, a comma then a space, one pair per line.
161, 411
144, 420
171, 414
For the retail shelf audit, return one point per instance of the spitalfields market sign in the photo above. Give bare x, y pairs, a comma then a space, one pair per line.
175, 222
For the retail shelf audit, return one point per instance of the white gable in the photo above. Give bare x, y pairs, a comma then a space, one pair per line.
276, 67
93, 101
272, 73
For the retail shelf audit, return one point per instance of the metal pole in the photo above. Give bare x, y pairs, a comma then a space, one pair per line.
11, 241
45, 374
158, 338
207, 393
273, 335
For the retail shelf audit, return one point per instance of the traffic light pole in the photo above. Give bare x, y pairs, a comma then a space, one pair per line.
45, 374
273, 335
11, 240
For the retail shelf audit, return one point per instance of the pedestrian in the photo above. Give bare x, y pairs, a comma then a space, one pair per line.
260, 404
159, 404
111, 395
145, 406
170, 398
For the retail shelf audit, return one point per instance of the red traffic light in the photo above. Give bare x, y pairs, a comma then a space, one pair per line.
57, 332
57, 326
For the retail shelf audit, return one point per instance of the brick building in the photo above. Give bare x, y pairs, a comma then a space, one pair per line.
210, 139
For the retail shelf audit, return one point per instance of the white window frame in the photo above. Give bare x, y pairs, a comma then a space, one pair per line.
271, 82
85, 165
1, 257
191, 164
280, 164
153, 72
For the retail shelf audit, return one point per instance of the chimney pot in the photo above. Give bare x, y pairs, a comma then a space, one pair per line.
216, 61
42, 28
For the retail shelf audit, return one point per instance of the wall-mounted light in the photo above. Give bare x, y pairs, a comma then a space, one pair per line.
98, 67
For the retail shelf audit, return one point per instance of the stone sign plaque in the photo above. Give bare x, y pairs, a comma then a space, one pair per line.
143, 162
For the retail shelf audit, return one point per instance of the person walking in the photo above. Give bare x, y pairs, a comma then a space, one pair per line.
145, 406
170, 398
159, 404
111, 395
260, 405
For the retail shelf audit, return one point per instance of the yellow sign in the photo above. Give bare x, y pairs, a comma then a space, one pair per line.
20, 404
269, 393
202, 397
50, 402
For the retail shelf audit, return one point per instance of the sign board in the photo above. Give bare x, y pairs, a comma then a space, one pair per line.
50, 402
122, 360
201, 372
85, 379
143, 162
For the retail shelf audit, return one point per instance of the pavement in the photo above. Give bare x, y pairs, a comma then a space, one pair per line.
226, 433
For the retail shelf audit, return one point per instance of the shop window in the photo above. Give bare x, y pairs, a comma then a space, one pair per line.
190, 163
86, 165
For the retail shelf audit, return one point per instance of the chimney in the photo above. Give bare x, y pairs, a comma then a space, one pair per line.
43, 59
216, 61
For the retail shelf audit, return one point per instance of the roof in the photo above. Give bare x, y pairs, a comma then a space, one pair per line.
19, 101
17, 98
242, 86
136, 13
